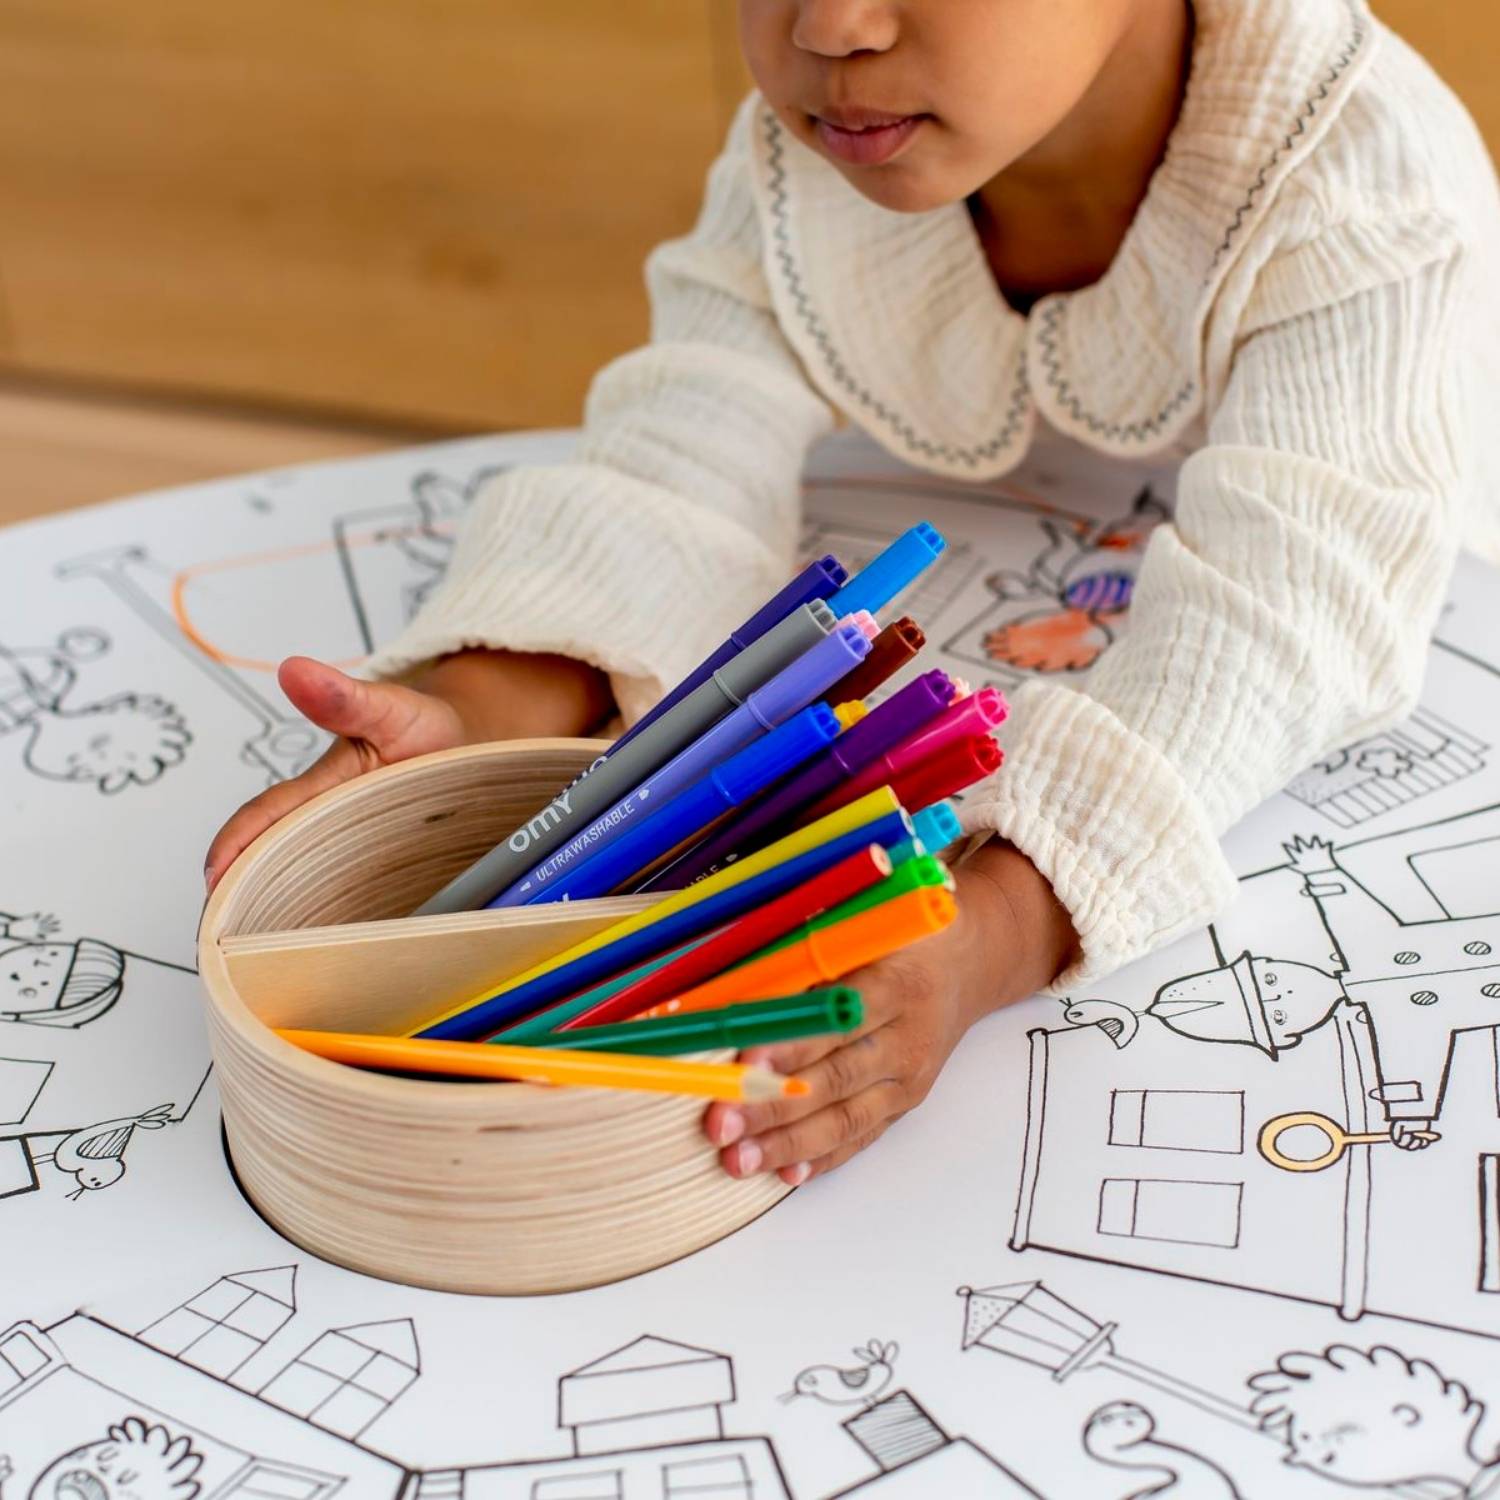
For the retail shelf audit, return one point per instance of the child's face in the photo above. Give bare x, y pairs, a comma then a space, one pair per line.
919, 103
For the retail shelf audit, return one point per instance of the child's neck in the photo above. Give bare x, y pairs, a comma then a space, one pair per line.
1054, 220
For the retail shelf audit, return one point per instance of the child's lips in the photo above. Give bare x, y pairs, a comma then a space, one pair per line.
866, 145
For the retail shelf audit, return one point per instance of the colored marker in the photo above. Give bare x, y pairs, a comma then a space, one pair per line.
740, 939
950, 771
757, 1023
788, 692
895, 720
610, 778
876, 819
910, 875
864, 622
975, 715
816, 581
725, 787
822, 957
851, 713
891, 650
937, 826
600, 1070
893, 570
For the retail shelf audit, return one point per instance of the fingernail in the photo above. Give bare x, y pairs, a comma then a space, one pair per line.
208, 877
748, 1158
731, 1127
799, 1174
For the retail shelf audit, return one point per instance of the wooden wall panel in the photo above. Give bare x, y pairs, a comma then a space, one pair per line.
1461, 39
426, 208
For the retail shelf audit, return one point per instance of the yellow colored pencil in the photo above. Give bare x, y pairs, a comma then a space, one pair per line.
834, 825
605, 1070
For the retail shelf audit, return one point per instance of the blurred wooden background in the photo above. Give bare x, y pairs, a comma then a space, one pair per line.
375, 219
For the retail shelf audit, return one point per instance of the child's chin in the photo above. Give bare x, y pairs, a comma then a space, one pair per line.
903, 191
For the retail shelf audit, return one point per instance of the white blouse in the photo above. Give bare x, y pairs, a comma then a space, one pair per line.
1308, 299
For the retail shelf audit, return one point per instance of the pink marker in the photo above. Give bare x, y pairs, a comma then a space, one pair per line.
863, 620
979, 713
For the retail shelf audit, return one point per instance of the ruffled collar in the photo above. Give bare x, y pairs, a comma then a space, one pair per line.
1119, 364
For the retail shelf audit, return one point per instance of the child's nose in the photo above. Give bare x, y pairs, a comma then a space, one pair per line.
844, 28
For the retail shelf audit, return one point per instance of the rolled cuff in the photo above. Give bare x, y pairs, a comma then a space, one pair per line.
1110, 823
583, 561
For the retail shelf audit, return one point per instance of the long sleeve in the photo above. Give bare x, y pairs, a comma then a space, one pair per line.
1286, 612
679, 514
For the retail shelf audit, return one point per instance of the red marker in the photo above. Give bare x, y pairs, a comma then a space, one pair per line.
974, 715
749, 934
947, 772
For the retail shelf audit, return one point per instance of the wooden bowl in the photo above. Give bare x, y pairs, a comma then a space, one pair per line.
466, 1187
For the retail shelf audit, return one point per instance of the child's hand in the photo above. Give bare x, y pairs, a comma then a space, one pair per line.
461, 700
1011, 937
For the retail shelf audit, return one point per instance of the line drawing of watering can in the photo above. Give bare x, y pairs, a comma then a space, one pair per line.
1339, 1141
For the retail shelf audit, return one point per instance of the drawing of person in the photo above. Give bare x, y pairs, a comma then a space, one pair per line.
1374, 1419
133, 1462
126, 740
1418, 986
45, 983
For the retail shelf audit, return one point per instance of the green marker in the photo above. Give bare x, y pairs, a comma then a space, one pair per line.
910, 875
755, 1023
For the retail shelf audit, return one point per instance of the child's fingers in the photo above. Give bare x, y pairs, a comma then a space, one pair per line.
337, 764
846, 1071
820, 1134
398, 722
805, 1171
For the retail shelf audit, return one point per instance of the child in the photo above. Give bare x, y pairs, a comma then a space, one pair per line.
1258, 231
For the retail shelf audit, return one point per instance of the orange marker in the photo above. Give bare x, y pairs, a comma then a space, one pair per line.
823, 956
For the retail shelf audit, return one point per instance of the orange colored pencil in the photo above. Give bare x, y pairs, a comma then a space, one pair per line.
823, 956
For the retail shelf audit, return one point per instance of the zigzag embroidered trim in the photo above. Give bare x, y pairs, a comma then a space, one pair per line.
1053, 314
1134, 432
1310, 106
839, 371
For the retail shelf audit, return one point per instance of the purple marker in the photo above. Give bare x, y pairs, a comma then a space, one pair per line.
901, 715
787, 693
818, 580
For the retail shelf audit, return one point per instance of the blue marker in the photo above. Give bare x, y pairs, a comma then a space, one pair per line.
725, 787
937, 826
498, 1011
875, 585
789, 691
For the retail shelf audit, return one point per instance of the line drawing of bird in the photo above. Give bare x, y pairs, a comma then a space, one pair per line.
95, 1155
849, 1385
1118, 1022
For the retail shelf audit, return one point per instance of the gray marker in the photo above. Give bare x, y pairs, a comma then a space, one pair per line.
607, 780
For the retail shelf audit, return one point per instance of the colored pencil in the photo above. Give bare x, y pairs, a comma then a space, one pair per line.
520, 994
606, 1070
823, 957
756, 1023
745, 936
890, 651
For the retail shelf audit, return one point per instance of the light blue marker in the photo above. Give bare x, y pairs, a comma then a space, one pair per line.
891, 571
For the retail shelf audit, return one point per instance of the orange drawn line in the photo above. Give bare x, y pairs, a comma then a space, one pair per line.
181, 579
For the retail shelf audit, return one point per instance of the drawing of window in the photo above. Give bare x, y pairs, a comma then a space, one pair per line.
602, 1484
348, 1377
724, 1477
1178, 1119
1489, 1224
1183, 1213
21, 1080
226, 1323
267, 1481
22, 1355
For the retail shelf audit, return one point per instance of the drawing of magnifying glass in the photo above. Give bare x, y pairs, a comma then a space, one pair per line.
1339, 1141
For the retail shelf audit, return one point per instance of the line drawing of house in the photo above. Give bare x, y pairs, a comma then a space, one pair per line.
1357, 983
